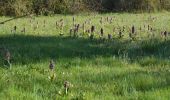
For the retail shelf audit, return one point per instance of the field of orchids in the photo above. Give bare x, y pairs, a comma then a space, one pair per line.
85, 57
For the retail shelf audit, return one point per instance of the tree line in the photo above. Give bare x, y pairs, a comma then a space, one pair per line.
47, 7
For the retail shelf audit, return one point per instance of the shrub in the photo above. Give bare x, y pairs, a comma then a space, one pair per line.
46, 7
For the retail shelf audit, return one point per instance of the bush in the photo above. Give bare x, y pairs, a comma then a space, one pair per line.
46, 7
15, 7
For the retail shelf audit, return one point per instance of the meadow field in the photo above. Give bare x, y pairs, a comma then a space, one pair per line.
97, 68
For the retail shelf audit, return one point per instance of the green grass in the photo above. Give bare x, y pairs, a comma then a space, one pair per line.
118, 69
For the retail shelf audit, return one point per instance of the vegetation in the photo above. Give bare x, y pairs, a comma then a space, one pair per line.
48, 7
135, 66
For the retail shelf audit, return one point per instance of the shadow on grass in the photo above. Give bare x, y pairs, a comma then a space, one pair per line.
31, 49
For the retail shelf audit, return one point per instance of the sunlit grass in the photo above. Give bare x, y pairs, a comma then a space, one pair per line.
116, 69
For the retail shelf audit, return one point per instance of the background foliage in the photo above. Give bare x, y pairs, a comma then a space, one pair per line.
46, 7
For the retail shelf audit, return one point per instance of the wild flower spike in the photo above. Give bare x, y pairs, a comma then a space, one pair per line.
51, 66
73, 21
133, 29
7, 58
92, 29
15, 28
7, 55
66, 84
165, 33
109, 36
101, 31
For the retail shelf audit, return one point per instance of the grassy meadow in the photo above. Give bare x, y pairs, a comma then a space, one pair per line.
116, 69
